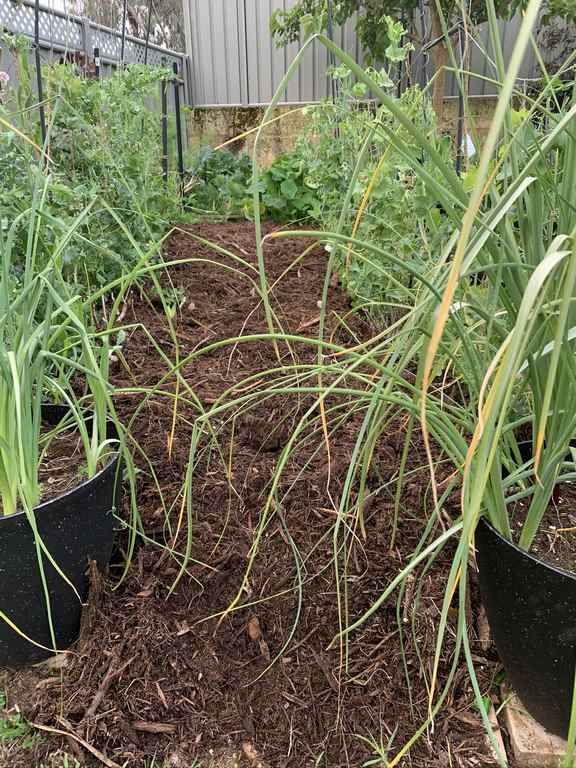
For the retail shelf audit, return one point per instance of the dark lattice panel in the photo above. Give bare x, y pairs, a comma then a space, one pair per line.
69, 32
18, 17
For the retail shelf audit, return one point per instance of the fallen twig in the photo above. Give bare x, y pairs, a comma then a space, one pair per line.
141, 725
104, 685
70, 734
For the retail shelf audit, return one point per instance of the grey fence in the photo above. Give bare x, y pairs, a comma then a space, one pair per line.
61, 32
235, 61
231, 58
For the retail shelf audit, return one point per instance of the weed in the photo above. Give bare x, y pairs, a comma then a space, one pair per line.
14, 727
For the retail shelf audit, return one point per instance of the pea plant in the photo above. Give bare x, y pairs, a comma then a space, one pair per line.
104, 154
388, 203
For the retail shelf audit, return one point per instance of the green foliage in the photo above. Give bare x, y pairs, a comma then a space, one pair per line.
399, 215
285, 192
65, 761
310, 16
220, 182
310, 183
563, 9
13, 727
104, 154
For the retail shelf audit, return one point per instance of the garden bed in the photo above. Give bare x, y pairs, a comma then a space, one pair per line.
152, 677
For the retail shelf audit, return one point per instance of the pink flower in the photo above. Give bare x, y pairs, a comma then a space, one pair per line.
4, 77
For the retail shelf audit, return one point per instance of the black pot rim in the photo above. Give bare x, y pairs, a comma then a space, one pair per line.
111, 465
542, 563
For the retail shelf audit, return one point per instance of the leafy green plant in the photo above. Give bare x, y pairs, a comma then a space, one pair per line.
388, 204
55, 346
286, 193
14, 727
219, 183
42, 332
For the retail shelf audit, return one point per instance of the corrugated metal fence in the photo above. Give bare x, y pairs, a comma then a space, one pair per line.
234, 60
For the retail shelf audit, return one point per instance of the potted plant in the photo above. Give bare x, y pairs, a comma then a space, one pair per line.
531, 604
506, 327
46, 544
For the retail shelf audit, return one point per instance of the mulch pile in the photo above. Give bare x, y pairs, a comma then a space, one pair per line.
161, 674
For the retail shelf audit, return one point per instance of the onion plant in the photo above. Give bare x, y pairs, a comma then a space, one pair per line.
494, 312
41, 334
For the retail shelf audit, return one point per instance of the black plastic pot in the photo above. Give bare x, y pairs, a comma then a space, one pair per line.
76, 528
531, 608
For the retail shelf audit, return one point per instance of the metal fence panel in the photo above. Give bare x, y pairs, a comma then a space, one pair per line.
236, 62
216, 50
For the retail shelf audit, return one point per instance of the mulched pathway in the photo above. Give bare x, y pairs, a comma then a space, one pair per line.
153, 676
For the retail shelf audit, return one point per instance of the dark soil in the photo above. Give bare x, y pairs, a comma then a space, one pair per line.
555, 539
168, 675
555, 542
62, 463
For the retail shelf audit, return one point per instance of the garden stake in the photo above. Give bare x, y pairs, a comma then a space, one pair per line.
332, 63
163, 87
460, 126
177, 114
423, 55
399, 72
148, 26
39, 72
97, 63
123, 43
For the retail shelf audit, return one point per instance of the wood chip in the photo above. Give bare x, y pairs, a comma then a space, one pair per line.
264, 649
57, 662
484, 635
251, 752
162, 696
141, 725
183, 628
104, 685
253, 628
